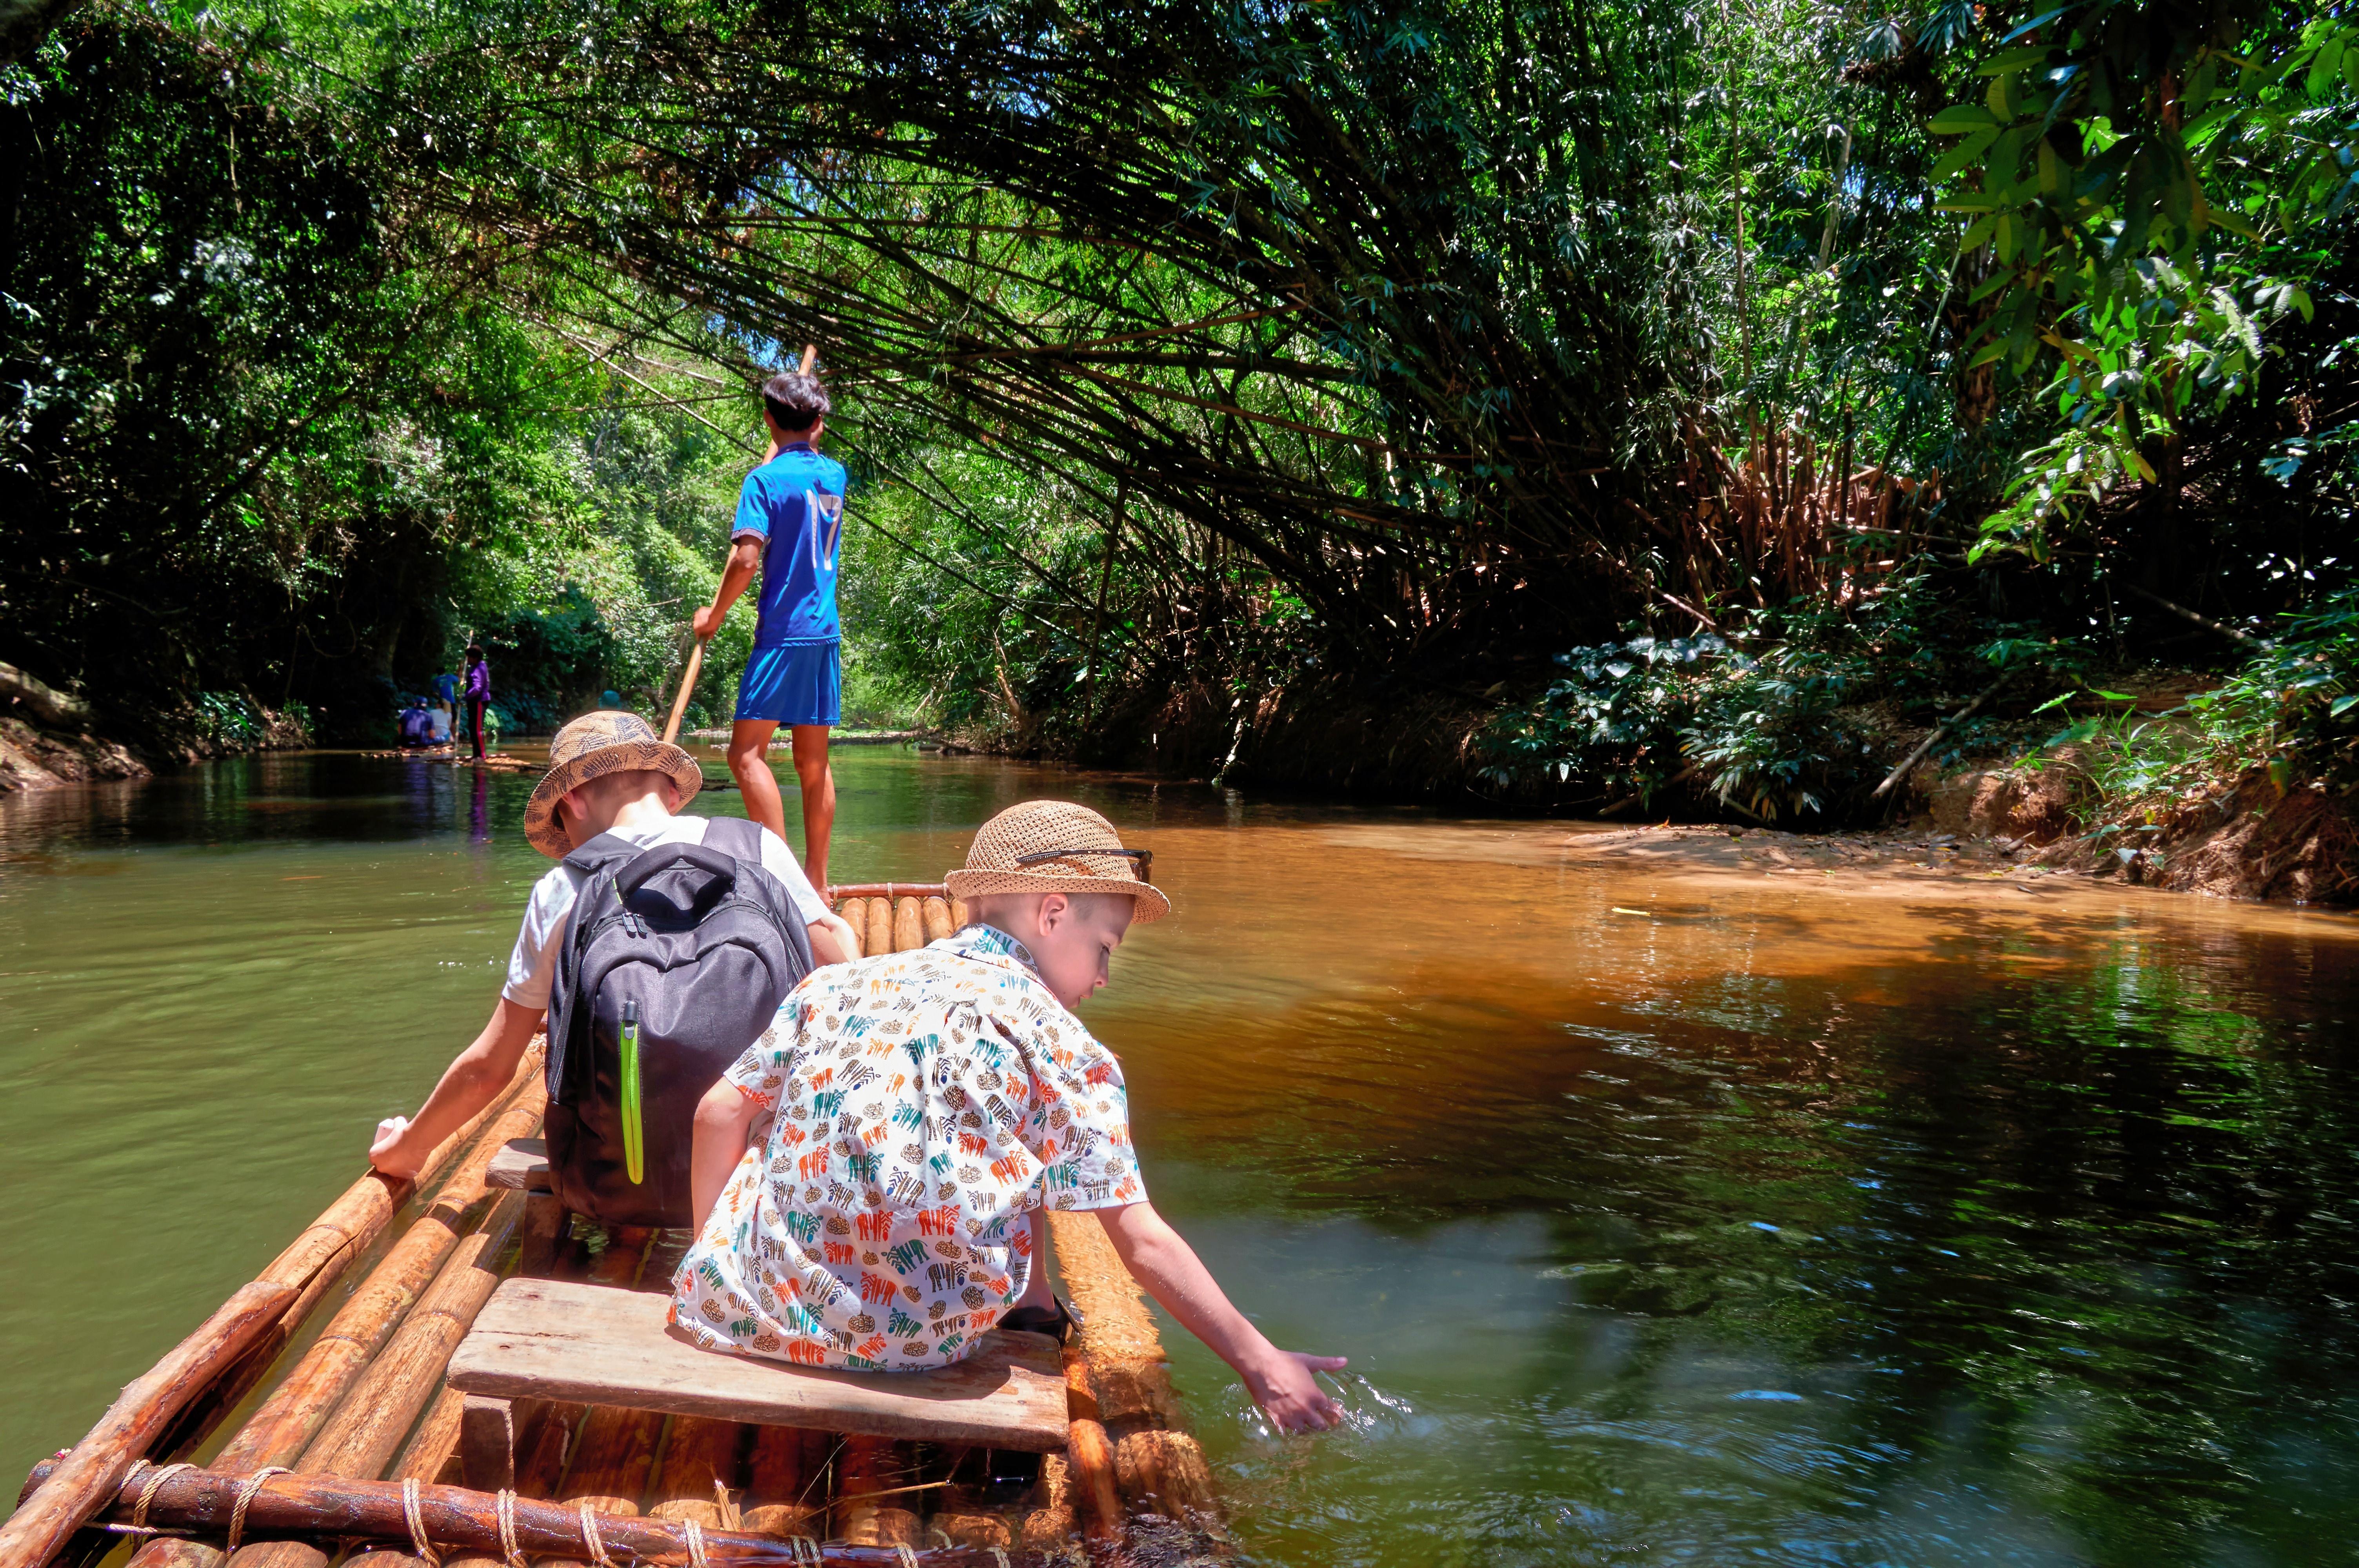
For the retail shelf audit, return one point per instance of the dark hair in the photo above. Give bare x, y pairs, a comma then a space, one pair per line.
795, 401
475, 653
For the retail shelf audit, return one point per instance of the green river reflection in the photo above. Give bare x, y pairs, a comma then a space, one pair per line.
1667, 1215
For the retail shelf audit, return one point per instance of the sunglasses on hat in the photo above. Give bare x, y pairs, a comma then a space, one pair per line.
1143, 859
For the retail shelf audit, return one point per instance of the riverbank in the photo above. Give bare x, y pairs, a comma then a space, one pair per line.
47, 756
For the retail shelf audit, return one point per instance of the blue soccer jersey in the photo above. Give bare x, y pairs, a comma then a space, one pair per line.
794, 503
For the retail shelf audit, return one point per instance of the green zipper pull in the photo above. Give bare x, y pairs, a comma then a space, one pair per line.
635, 1138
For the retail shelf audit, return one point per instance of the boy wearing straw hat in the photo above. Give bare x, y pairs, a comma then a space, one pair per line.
608, 773
874, 1169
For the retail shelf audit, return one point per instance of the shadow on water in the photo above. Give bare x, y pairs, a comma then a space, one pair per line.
1666, 1217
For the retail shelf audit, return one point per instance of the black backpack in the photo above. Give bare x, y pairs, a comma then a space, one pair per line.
695, 945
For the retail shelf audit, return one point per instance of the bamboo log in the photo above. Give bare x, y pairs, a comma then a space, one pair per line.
868, 1469
878, 937
430, 1447
1048, 1526
1091, 1455
937, 913
886, 889
908, 925
249, 1321
786, 1486
328, 1506
700, 1467
361, 1437
965, 1520
854, 912
960, 916
82, 1481
292, 1415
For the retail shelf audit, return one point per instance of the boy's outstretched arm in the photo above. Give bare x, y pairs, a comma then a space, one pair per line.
469, 1084
744, 559
724, 1118
1280, 1381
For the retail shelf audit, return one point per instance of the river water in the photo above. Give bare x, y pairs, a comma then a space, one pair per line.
1667, 1215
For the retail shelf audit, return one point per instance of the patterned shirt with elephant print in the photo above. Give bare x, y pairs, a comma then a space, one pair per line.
911, 1110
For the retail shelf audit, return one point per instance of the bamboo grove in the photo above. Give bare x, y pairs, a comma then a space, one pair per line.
1201, 346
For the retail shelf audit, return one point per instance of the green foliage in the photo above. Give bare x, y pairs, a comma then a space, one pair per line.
2293, 710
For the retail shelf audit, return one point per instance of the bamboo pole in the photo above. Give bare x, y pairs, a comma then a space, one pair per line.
1049, 1525
878, 937
908, 925
457, 1519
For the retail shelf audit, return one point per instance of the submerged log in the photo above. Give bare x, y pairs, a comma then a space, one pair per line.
459, 1520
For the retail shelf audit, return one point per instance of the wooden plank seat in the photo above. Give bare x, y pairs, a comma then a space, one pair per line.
552, 1340
521, 1166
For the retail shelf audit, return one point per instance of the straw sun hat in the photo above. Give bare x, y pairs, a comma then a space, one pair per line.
590, 747
1054, 846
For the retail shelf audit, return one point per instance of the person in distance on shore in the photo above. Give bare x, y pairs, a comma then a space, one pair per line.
609, 773
873, 1170
791, 525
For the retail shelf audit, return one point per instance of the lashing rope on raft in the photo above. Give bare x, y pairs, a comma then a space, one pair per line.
506, 1509
245, 1500
597, 1547
147, 1492
412, 1517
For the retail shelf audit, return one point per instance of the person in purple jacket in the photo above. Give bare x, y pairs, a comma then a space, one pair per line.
476, 693
791, 525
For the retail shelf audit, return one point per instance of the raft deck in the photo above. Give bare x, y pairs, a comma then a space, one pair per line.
375, 1395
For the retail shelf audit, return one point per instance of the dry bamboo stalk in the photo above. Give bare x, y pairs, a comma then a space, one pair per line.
908, 925
938, 919
786, 1491
458, 1521
878, 937
867, 1467
361, 1437
960, 915
1091, 1455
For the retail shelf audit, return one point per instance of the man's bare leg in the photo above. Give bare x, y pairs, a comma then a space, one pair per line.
819, 799
749, 765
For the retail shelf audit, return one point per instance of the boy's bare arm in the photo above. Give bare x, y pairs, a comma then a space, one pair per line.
469, 1084
831, 940
724, 1117
1280, 1381
744, 559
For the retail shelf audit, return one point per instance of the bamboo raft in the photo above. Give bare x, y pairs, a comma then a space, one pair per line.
361, 1453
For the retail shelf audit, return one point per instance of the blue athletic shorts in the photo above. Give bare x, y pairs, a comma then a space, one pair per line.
798, 683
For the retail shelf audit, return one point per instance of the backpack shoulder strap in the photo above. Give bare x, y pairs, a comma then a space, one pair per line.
605, 851
736, 837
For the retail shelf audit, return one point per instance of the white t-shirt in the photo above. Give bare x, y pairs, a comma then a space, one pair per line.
532, 967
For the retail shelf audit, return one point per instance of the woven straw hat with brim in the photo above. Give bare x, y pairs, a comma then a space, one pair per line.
1054, 846
591, 747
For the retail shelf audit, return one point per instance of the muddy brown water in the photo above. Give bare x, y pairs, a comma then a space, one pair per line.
1670, 1211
